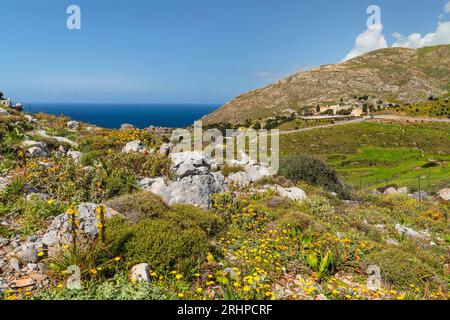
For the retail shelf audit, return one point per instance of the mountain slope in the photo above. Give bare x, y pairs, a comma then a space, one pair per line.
394, 74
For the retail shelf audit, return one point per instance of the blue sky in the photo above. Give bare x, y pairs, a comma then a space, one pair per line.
190, 51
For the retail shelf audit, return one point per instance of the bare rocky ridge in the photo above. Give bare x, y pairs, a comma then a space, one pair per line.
394, 75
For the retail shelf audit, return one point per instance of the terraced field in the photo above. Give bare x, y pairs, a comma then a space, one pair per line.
374, 154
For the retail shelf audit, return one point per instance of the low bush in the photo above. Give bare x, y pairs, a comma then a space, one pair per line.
159, 243
138, 206
175, 240
33, 214
117, 288
312, 170
402, 269
319, 207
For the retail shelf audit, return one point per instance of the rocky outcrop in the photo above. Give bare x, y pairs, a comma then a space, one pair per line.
59, 231
411, 233
37, 152
35, 149
166, 148
195, 190
193, 163
134, 146
64, 140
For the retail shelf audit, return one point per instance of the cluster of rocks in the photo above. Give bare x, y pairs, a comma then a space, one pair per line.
197, 179
6, 103
35, 149
23, 264
252, 171
58, 233
293, 193
443, 194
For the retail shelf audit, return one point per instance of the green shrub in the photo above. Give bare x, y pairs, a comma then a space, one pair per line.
176, 239
187, 216
401, 269
312, 170
34, 213
301, 220
161, 244
117, 288
320, 207
138, 206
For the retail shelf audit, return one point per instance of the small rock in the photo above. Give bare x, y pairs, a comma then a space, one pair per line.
4, 182
295, 194
37, 152
75, 155
240, 179
134, 146
390, 190
21, 283
140, 272
444, 194
39, 195
165, 149
409, 232
28, 188
14, 264
420, 195
32, 266
74, 125
392, 242
62, 150
403, 190
126, 126
257, 172
30, 118
28, 254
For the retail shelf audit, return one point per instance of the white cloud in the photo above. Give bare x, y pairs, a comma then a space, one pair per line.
369, 40
416, 40
447, 7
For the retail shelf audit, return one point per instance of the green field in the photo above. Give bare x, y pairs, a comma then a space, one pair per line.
374, 154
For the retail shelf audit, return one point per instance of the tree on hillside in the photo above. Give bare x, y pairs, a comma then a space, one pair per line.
318, 108
1, 96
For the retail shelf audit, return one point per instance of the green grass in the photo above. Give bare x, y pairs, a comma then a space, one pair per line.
370, 153
374, 166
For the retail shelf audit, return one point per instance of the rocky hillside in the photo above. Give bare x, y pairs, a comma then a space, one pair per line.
141, 221
394, 75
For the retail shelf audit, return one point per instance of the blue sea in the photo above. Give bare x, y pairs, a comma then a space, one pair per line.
139, 115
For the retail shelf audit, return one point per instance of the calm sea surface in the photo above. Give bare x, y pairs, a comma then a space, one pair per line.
139, 115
